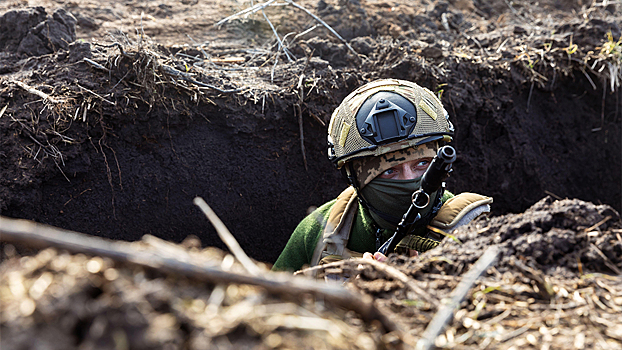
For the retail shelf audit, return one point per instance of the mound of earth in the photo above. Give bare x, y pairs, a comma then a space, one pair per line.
115, 115
30, 32
557, 237
551, 286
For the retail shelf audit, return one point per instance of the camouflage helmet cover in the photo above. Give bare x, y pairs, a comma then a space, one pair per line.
345, 139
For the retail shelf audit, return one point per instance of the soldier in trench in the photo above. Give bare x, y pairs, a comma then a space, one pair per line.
382, 137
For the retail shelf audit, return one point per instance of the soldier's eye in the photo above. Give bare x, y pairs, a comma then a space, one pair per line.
389, 172
422, 164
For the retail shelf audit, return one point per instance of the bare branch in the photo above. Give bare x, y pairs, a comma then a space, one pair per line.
278, 38
261, 7
325, 25
37, 235
226, 236
446, 312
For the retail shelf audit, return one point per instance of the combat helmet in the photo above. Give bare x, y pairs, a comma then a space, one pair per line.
384, 116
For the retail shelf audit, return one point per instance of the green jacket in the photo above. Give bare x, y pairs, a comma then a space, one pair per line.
301, 245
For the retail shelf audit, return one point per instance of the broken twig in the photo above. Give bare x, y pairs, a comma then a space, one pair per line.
446, 312
226, 236
325, 25
95, 64
33, 234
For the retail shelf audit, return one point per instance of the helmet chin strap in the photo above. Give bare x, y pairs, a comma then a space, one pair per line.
348, 173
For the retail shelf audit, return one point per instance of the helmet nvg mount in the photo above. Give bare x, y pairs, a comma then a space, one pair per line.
384, 116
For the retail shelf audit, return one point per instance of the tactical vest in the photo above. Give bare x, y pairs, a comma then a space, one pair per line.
455, 212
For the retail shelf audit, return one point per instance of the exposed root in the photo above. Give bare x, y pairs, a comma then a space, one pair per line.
43, 95
109, 175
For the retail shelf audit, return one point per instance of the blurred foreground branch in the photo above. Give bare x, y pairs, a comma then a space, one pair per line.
36, 235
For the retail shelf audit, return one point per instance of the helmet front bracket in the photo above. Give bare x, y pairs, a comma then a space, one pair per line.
386, 122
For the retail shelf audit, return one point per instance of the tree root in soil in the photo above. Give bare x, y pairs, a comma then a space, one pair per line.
43, 95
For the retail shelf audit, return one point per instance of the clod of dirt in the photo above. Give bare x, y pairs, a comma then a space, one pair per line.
14, 26
31, 32
562, 238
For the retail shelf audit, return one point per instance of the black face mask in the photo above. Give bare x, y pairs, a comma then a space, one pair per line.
389, 200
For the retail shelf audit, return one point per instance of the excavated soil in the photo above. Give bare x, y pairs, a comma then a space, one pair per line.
553, 284
531, 89
115, 115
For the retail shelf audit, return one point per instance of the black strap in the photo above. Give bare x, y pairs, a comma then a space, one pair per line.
378, 238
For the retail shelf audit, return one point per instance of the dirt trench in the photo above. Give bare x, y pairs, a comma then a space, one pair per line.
136, 159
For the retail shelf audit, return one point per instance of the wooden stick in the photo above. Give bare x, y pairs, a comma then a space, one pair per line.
597, 225
400, 276
445, 314
246, 12
33, 234
388, 270
226, 236
325, 25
